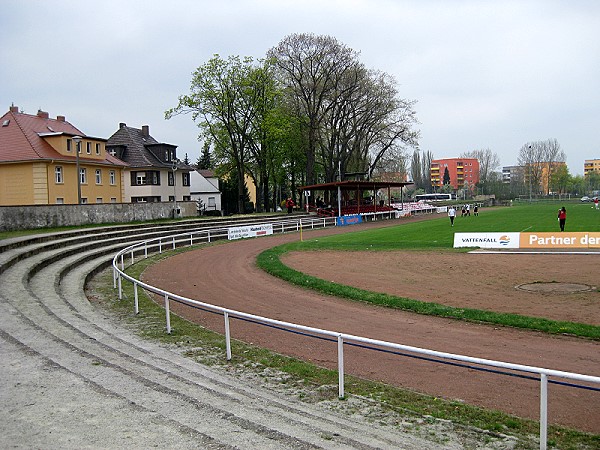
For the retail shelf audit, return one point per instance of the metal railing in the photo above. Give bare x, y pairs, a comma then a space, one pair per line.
192, 238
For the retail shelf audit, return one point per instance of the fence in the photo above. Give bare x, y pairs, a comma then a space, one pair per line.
190, 238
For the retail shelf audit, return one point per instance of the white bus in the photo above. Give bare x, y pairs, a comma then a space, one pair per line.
434, 197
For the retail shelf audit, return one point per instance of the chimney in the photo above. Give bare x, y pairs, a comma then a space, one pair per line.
42, 114
146, 130
122, 125
14, 109
60, 118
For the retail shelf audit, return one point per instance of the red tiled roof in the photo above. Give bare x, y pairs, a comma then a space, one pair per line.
20, 141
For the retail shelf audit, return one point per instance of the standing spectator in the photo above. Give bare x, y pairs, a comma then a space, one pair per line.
452, 215
290, 205
468, 209
596, 202
562, 218
475, 210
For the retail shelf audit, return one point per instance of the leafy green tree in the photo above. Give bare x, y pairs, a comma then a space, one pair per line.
560, 179
219, 102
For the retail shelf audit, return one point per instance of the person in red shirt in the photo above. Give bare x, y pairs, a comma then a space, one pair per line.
290, 205
562, 218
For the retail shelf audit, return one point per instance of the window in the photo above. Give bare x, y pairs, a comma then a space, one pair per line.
69, 145
98, 176
84, 201
98, 199
60, 201
211, 202
150, 177
171, 198
112, 177
113, 199
58, 175
83, 176
88, 148
97, 148
185, 177
171, 178
78, 145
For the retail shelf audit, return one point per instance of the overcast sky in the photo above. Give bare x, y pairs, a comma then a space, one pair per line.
485, 74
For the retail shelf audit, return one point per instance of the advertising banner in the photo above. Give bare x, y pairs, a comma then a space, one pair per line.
249, 231
349, 220
560, 240
486, 240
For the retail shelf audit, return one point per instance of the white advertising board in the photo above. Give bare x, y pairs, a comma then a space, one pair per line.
249, 231
486, 240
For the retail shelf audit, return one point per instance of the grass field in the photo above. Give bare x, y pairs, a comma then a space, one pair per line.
437, 234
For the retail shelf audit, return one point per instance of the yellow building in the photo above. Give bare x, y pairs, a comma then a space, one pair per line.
39, 163
591, 165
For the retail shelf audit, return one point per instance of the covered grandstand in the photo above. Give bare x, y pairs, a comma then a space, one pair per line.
348, 197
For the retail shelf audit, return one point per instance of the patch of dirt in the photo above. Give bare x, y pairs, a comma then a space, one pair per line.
464, 280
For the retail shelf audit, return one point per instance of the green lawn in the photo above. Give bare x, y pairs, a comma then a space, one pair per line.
437, 234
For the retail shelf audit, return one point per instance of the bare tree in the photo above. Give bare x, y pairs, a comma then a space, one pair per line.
353, 116
309, 66
426, 169
538, 160
488, 162
416, 170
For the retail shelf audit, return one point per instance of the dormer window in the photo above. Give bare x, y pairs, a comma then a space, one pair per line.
69, 144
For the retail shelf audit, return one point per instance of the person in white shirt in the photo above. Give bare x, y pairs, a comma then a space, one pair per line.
452, 215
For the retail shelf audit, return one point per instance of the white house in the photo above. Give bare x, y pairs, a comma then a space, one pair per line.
204, 188
155, 172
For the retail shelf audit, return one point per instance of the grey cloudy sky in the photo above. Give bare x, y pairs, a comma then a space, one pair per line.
485, 74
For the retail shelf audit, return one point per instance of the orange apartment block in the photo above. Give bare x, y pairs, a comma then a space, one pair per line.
462, 171
591, 165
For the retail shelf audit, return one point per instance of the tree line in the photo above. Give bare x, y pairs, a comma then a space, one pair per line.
306, 113
310, 112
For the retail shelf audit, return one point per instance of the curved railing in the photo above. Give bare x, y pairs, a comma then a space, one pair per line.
297, 225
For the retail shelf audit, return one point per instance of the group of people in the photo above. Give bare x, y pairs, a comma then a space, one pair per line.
465, 211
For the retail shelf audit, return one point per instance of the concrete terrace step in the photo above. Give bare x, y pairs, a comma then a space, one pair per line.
74, 378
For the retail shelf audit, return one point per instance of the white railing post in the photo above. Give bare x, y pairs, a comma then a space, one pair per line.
160, 245
173, 242
209, 236
120, 287
145, 249
167, 313
136, 304
340, 366
227, 335
543, 411
191, 240
122, 262
114, 277
132, 259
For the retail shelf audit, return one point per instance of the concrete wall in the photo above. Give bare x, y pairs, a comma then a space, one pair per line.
43, 216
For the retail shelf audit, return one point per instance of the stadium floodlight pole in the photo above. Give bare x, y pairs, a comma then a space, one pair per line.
530, 176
